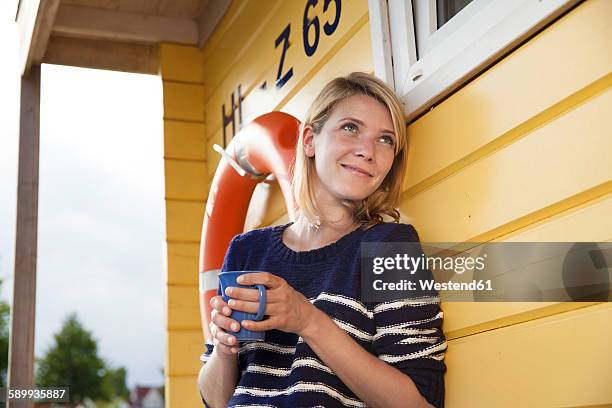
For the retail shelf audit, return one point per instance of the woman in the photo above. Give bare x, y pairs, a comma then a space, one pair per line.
324, 346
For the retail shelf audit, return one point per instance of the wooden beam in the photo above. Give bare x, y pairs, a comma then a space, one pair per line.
94, 23
116, 56
34, 20
180, 8
23, 311
26, 20
42, 30
212, 13
381, 40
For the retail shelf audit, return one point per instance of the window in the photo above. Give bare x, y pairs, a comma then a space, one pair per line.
428, 48
430, 17
447, 9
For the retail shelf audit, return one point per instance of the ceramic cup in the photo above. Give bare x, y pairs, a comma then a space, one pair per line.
228, 279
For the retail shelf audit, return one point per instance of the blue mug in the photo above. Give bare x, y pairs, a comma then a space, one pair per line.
228, 279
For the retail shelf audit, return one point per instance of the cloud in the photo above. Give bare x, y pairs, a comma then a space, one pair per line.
100, 232
9, 138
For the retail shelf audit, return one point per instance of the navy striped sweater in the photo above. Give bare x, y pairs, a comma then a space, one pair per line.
283, 371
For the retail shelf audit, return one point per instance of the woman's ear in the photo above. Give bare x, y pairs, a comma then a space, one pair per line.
308, 142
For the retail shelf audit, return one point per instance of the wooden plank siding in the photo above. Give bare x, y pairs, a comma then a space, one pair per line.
520, 153
186, 188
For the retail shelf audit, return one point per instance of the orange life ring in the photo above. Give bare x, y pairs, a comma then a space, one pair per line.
264, 146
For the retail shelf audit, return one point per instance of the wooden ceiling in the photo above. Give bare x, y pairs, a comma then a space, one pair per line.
168, 8
112, 34
141, 21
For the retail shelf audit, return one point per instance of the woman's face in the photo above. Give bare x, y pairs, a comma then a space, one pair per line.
354, 150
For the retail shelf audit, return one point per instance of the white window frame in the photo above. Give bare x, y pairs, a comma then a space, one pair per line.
426, 30
480, 34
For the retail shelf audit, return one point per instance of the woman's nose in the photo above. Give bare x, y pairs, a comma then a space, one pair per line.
365, 149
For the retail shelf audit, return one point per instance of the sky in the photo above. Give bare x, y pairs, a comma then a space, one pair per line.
101, 206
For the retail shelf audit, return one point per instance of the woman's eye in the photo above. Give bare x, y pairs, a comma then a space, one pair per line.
351, 127
388, 140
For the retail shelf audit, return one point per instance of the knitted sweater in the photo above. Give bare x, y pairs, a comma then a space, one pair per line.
283, 371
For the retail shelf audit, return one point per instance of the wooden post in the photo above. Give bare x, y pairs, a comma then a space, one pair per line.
23, 310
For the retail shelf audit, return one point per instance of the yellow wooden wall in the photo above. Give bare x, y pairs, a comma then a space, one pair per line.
185, 193
521, 153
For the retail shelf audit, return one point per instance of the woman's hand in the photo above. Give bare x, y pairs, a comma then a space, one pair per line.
220, 323
288, 309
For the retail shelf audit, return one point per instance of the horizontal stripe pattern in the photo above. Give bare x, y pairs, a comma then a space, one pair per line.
397, 338
344, 301
283, 371
409, 329
426, 352
300, 386
266, 345
352, 330
399, 304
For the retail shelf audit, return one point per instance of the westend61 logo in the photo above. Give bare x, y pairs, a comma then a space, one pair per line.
487, 272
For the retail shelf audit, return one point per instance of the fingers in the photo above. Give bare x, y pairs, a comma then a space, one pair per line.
267, 324
265, 278
219, 305
220, 324
243, 293
222, 346
219, 315
280, 294
243, 306
253, 307
247, 300
223, 341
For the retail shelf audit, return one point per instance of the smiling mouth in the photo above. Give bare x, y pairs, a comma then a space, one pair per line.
355, 171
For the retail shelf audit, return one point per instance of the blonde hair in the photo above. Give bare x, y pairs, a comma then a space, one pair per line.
369, 211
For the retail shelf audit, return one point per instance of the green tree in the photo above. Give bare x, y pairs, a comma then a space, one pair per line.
5, 313
162, 388
115, 383
73, 361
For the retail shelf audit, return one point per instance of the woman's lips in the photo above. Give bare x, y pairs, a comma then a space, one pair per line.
356, 171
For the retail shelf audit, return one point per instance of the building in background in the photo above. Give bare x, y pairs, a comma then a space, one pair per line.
146, 397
